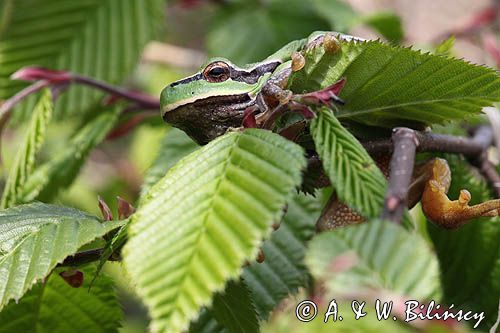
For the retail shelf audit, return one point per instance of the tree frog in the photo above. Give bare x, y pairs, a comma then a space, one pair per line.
219, 97
208, 103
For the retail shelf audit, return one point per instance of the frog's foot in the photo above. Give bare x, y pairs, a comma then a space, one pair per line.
447, 213
272, 93
451, 214
326, 97
464, 198
329, 41
489, 208
436, 187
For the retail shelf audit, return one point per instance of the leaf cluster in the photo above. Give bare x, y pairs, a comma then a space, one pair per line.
204, 213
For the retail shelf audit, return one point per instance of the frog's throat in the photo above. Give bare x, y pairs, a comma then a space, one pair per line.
207, 118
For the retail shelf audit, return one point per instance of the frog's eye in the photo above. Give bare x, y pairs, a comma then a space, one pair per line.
217, 72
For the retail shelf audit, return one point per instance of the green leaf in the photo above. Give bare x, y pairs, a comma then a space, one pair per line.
58, 173
446, 47
206, 323
393, 86
234, 309
283, 271
387, 24
175, 145
55, 307
469, 257
199, 224
354, 175
98, 38
375, 255
34, 238
249, 31
338, 13
111, 246
25, 158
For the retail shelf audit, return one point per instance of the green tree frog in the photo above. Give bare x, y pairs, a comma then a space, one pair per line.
208, 103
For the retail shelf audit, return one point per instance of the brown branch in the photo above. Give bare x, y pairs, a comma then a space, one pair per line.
489, 172
49, 78
484, 136
9, 104
439, 143
405, 144
144, 101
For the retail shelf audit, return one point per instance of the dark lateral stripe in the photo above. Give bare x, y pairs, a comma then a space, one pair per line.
249, 77
253, 75
195, 77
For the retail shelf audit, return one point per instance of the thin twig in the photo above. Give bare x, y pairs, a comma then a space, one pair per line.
430, 142
20, 96
143, 101
405, 144
484, 136
489, 172
146, 102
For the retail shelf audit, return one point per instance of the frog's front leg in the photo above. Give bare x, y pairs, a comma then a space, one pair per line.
274, 99
451, 213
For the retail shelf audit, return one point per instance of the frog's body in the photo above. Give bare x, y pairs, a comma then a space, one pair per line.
206, 109
208, 103
219, 96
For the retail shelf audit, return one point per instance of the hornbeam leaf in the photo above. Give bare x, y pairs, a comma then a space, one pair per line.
390, 86
24, 163
34, 238
59, 172
377, 255
198, 225
56, 307
234, 309
283, 271
354, 175
102, 39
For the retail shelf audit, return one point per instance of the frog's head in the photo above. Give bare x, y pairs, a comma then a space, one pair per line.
214, 99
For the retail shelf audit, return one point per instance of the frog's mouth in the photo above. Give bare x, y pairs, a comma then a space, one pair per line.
207, 118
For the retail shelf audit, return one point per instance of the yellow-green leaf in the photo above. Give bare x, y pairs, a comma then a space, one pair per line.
198, 225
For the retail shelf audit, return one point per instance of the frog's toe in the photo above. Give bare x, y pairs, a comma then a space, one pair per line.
298, 61
464, 198
435, 186
285, 96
